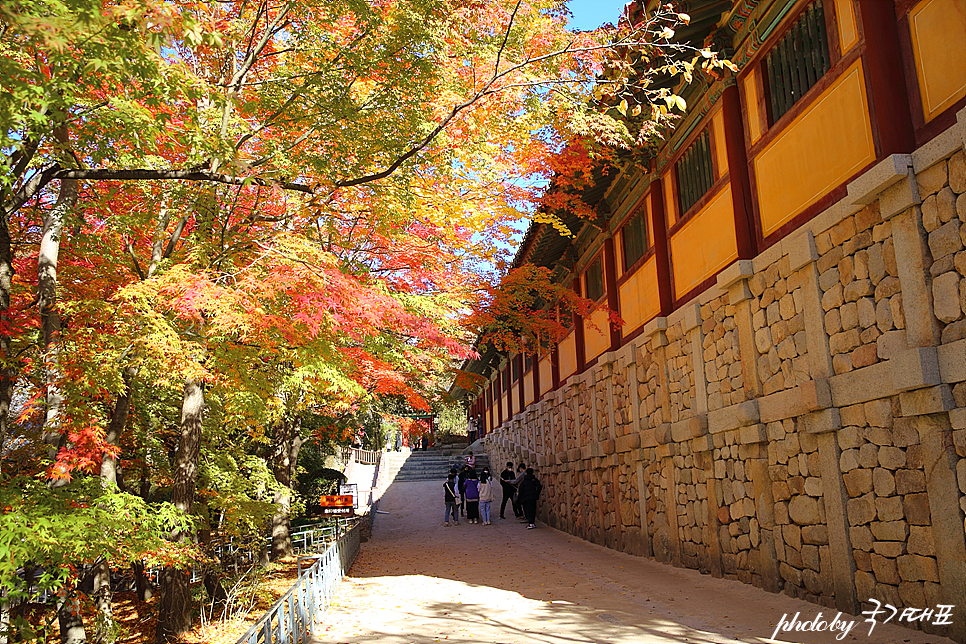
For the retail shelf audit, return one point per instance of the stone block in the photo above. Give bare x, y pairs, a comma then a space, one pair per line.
865, 189
890, 530
883, 482
815, 534
917, 568
891, 343
945, 240
952, 361
885, 569
888, 509
946, 204
733, 417
861, 537
916, 508
890, 549
737, 271
628, 442
863, 288
820, 422
932, 179
803, 510
888, 287
921, 541
860, 510
608, 446
862, 385
910, 481
752, 434
957, 172
915, 369
932, 400
858, 482
864, 356
945, 294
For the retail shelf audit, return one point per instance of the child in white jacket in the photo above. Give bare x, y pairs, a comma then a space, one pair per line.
486, 496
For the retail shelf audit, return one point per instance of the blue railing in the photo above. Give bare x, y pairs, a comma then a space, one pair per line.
292, 617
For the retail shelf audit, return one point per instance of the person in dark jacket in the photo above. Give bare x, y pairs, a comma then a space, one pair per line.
506, 482
460, 483
528, 493
450, 496
471, 492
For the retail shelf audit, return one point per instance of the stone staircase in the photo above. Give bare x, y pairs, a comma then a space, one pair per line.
423, 466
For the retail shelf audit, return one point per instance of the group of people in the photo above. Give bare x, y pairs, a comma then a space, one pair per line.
469, 494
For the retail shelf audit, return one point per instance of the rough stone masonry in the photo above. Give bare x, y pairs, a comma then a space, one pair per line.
802, 425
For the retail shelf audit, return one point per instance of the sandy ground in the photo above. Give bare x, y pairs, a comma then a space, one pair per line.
417, 582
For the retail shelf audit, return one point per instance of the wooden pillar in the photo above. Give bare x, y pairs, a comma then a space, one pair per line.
661, 247
738, 173
555, 367
535, 366
610, 283
579, 332
889, 98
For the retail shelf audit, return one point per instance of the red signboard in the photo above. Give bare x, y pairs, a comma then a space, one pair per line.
337, 504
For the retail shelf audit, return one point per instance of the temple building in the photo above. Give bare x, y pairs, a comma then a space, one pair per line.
785, 404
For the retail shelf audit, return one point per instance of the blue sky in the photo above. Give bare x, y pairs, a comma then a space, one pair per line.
590, 14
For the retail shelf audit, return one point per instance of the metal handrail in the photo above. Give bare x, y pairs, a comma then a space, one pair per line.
292, 617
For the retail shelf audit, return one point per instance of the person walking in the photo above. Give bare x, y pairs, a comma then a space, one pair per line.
486, 496
460, 483
528, 493
521, 473
471, 460
449, 498
506, 478
471, 492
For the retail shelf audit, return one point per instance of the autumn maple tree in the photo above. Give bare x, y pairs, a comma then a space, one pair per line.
222, 222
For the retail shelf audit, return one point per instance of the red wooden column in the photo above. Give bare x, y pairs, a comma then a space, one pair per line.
738, 173
610, 283
579, 332
889, 99
498, 397
661, 246
555, 366
535, 360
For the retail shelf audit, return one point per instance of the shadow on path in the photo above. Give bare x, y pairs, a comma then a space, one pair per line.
418, 582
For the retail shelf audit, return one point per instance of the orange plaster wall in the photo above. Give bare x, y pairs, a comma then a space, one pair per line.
639, 297
750, 85
568, 356
939, 41
670, 207
845, 16
820, 149
720, 149
528, 396
596, 341
506, 403
706, 244
546, 375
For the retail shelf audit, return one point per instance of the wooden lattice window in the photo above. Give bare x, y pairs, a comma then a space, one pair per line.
595, 280
798, 61
695, 172
634, 236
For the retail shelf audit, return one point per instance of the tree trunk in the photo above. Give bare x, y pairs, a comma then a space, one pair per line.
8, 374
284, 456
142, 584
47, 257
174, 607
105, 631
70, 620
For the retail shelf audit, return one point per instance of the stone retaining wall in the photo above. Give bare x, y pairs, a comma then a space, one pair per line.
802, 425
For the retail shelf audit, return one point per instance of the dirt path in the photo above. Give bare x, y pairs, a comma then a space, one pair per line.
418, 582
